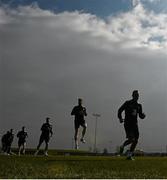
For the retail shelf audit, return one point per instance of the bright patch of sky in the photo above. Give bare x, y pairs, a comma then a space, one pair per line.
101, 8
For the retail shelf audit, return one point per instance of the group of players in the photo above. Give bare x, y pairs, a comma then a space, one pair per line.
7, 140
132, 110
22, 136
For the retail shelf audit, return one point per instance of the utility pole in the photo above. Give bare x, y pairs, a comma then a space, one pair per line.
96, 117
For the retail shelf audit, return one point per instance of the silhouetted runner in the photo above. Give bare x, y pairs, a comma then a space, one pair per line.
22, 136
4, 142
132, 110
79, 112
45, 136
8, 142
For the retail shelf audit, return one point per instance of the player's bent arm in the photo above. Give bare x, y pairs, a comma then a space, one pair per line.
73, 112
85, 113
141, 114
120, 110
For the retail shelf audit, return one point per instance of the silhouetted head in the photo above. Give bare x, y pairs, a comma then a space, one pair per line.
80, 101
135, 95
23, 128
47, 120
11, 130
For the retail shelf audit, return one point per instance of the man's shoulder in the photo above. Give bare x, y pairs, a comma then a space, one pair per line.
127, 102
76, 108
47, 125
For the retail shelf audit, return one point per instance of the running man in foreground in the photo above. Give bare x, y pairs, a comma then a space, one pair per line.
22, 136
132, 110
79, 112
45, 136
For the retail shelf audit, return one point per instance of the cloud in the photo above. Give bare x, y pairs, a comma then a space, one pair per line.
48, 60
138, 28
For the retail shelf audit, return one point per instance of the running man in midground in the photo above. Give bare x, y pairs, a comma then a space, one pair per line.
22, 136
79, 112
132, 110
45, 136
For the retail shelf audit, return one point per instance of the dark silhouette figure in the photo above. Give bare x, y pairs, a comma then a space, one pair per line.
45, 136
10, 141
132, 110
22, 136
79, 112
4, 142
7, 140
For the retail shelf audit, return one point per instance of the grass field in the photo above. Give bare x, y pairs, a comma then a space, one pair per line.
64, 166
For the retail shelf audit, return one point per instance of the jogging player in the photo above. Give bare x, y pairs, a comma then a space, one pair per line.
9, 141
45, 136
79, 112
4, 142
132, 110
22, 136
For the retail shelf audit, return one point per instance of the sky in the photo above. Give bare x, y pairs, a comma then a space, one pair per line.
52, 52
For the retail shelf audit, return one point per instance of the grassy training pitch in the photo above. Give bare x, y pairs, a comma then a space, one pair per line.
67, 166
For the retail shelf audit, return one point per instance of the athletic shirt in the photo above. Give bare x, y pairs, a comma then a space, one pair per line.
46, 129
22, 135
132, 110
79, 112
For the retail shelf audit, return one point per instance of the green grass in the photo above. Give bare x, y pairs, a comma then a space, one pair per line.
82, 167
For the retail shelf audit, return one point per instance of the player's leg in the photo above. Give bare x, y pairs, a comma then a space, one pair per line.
135, 135
84, 125
24, 148
135, 139
3, 147
76, 126
46, 146
8, 149
134, 144
130, 154
19, 148
128, 136
40, 142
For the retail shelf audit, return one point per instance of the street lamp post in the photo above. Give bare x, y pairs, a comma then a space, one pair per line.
96, 117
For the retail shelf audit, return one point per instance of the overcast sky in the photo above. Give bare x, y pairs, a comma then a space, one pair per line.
53, 53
